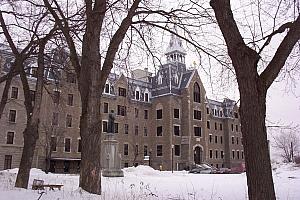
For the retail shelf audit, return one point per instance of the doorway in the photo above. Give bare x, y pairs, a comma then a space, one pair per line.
198, 155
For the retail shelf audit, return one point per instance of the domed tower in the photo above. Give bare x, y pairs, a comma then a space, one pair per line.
175, 51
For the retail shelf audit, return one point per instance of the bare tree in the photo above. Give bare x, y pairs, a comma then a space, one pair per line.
37, 41
106, 24
287, 142
253, 87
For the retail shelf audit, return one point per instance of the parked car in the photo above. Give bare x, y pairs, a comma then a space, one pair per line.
240, 168
224, 170
202, 169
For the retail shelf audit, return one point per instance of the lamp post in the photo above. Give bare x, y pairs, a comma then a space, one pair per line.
150, 151
172, 160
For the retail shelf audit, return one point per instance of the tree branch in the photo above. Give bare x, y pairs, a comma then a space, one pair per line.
282, 53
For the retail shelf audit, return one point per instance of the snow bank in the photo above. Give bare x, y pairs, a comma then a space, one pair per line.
145, 183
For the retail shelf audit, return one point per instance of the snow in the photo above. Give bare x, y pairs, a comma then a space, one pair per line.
143, 182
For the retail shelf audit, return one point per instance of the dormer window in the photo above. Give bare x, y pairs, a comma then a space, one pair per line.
106, 90
196, 93
137, 95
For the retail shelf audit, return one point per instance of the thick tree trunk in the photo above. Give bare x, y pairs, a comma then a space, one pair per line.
253, 113
30, 138
91, 86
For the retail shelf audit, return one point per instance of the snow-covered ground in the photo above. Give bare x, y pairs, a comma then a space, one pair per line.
143, 182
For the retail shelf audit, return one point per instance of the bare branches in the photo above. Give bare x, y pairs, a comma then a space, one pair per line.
282, 53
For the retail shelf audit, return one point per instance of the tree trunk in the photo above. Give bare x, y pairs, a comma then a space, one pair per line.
31, 134
91, 87
30, 138
257, 158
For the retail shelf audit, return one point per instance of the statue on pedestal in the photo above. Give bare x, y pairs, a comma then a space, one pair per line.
111, 122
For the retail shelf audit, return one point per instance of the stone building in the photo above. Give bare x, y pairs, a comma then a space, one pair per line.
163, 120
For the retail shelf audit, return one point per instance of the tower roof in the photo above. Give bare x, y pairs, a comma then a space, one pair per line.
175, 45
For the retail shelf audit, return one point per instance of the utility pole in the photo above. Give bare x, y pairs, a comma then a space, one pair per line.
172, 157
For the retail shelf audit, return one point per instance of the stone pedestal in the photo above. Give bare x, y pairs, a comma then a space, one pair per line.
111, 158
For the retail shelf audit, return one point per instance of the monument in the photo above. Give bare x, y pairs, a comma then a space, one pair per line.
111, 158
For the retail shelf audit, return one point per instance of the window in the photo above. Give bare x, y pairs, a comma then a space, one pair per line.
159, 114
208, 124
70, 99
105, 107
210, 154
232, 140
233, 156
197, 131
116, 128
67, 145
104, 126
126, 127
236, 128
71, 78
221, 127
145, 150
238, 154
7, 161
159, 131
121, 110
106, 89
136, 130
196, 93
137, 95
122, 92
222, 154
136, 112
55, 119
125, 150
14, 92
176, 113
207, 111
237, 140
32, 95
146, 97
236, 115
69, 121
34, 72
79, 145
197, 114
126, 164
216, 154
10, 137
12, 115
242, 155
177, 150
216, 128
159, 150
145, 131
56, 97
145, 114
176, 130
210, 138
221, 139
216, 139
53, 143
231, 127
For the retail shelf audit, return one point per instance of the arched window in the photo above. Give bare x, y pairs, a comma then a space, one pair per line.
196, 93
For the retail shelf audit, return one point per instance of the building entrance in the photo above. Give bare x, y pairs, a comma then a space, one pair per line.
198, 155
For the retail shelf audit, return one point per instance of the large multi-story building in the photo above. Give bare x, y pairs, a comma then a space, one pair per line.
165, 117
